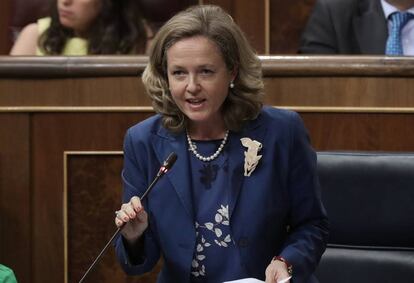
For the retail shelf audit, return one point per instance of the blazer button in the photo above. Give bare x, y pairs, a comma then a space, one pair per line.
243, 242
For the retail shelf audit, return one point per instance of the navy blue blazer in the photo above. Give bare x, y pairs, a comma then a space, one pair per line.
275, 211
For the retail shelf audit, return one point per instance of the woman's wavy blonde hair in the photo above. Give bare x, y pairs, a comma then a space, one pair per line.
244, 101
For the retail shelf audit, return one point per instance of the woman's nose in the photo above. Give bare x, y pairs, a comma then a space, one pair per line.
193, 84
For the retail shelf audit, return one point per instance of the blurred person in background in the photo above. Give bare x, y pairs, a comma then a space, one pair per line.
82, 27
360, 27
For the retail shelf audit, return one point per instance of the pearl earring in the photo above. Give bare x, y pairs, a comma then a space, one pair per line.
231, 84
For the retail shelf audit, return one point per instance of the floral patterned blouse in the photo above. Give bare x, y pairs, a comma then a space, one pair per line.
216, 257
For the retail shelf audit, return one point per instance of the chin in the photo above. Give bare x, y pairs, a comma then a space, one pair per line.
196, 116
66, 23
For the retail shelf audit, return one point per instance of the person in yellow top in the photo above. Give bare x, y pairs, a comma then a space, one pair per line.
82, 27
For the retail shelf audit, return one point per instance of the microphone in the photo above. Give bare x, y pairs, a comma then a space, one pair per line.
165, 167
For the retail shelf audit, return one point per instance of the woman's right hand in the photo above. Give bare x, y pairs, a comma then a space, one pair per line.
135, 218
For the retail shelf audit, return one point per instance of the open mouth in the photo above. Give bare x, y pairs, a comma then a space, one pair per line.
195, 101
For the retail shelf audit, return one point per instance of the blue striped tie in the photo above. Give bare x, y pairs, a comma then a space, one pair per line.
398, 21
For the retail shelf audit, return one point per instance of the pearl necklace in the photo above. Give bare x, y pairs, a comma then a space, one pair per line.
193, 148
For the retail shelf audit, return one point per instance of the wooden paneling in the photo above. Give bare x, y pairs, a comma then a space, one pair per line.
227, 5
5, 21
287, 21
93, 193
360, 131
52, 134
74, 92
15, 195
250, 16
340, 92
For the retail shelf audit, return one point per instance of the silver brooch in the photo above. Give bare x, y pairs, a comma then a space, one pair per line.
251, 159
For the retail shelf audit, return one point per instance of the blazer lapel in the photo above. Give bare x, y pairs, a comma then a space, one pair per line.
255, 131
179, 175
370, 27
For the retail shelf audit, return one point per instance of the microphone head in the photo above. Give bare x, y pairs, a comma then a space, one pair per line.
169, 162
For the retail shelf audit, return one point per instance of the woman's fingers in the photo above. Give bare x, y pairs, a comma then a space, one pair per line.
136, 204
130, 211
276, 271
118, 218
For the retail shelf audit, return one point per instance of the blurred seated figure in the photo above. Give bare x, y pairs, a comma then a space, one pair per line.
360, 27
81, 27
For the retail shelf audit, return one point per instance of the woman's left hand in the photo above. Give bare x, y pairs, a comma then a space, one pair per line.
276, 271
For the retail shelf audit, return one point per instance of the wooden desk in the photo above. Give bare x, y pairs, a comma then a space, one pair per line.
62, 122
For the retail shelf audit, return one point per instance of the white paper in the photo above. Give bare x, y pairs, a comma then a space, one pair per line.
284, 280
254, 280
246, 280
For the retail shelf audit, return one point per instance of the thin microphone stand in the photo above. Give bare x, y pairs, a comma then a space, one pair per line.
168, 163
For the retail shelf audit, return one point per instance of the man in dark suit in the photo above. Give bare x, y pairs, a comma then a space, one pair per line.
349, 26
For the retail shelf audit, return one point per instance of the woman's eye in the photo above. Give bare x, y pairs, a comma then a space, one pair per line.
177, 73
207, 71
